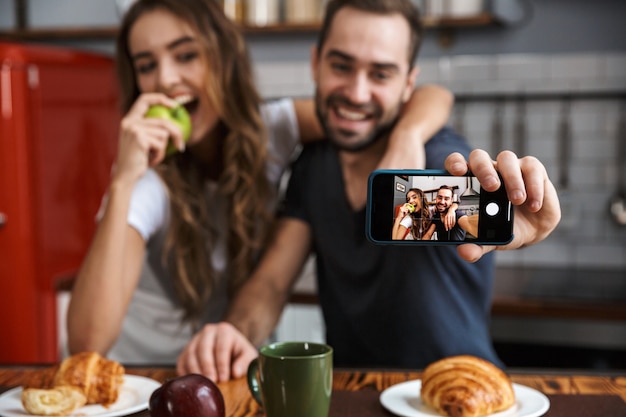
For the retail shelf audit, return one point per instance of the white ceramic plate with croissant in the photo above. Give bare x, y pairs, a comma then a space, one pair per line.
133, 397
404, 400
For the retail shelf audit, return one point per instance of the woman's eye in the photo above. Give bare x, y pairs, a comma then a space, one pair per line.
187, 56
144, 67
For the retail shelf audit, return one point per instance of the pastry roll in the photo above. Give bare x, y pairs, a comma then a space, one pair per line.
58, 401
466, 386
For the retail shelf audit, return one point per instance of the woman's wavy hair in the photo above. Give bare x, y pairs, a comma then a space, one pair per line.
243, 182
421, 217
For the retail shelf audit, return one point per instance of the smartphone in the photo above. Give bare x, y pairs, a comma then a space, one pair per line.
408, 207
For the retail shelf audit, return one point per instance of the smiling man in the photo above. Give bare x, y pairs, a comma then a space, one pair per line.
384, 306
361, 85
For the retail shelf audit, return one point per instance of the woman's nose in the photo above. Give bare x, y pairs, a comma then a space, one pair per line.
168, 74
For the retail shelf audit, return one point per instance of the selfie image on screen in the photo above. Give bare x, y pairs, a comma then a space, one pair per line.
435, 208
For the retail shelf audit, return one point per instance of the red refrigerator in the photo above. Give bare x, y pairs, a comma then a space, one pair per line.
59, 120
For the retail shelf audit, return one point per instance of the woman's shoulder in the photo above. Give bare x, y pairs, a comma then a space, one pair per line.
278, 111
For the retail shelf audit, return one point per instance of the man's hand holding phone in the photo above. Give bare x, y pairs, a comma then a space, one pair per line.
483, 200
537, 209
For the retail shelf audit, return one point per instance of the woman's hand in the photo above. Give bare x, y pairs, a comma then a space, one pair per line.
142, 140
218, 351
405, 209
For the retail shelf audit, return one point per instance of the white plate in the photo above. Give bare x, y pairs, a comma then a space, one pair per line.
134, 396
404, 400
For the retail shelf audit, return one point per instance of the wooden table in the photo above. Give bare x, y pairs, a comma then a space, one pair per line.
356, 393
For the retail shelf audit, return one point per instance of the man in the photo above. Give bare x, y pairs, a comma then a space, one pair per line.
392, 306
443, 202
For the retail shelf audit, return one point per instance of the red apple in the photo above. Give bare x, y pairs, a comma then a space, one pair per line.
191, 395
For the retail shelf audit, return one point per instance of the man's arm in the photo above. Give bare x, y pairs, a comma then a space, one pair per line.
223, 351
469, 223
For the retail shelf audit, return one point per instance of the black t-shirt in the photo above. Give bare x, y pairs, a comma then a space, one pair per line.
455, 234
393, 306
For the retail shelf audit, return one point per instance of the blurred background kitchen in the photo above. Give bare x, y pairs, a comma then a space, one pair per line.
540, 77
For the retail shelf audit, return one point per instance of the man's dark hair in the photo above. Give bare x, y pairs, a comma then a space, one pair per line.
447, 187
384, 7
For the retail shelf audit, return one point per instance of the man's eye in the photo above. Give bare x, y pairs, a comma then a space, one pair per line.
380, 76
339, 67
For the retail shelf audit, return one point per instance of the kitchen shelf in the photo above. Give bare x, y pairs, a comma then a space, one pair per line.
109, 32
42, 34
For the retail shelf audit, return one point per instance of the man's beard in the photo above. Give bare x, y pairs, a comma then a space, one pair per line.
380, 130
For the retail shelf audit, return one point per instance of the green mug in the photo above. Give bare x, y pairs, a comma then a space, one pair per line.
290, 379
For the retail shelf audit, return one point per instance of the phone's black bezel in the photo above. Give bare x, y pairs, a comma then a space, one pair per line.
492, 230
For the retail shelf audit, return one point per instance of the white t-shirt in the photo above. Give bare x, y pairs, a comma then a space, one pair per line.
153, 331
407, 221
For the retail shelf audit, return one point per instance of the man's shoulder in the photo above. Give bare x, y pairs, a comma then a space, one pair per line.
442, 144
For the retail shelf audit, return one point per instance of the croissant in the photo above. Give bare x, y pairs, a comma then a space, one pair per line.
466, 386
96, 378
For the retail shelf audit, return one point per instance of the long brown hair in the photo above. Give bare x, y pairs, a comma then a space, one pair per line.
421, 217
242, 183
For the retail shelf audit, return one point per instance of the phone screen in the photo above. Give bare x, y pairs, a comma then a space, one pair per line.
434, 207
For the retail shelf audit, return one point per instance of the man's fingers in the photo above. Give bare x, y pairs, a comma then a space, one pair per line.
483, 167
456, 164
472, 252
536, 180
509, 168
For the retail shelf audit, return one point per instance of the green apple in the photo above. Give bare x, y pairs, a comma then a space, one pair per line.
178, 115
410, 207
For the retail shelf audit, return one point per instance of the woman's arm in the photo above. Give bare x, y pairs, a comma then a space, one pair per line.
107, 278
428, 235
111, 268
398, 229
423, 115
426, 112
308, 123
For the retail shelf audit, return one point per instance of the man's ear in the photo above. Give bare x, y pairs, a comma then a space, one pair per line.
314, 61
411, 79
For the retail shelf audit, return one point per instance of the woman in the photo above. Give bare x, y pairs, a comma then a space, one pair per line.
178, 235
414, 218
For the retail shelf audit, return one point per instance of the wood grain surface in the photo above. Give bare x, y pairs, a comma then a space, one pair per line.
357, 391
